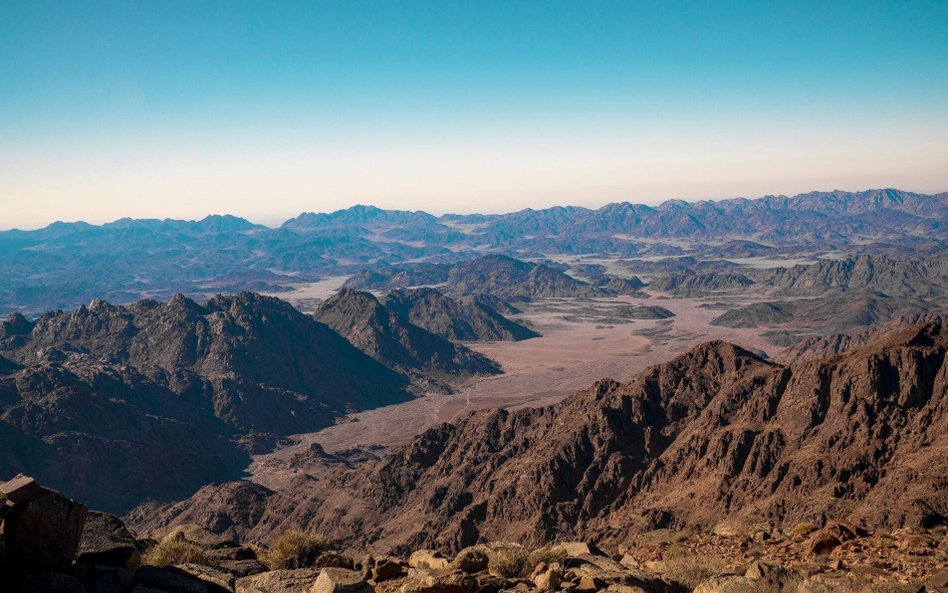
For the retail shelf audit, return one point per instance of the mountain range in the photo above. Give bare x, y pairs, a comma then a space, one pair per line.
65, 264
716, 438
119, 403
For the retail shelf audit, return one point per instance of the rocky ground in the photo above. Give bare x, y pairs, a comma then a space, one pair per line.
51, 544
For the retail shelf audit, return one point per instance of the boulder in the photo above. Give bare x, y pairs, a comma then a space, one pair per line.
49, 582
438, 581
589, 584
547, 577
630, 561
428, 559
42, 533
19, 489
340, 580
619, 588
174, 579
821, 544
726, 584
386, 568
104, 579
278, 581
333, 560
773, 575
580, 549
472, 559
242, 568
488, 583
216, 580
106, 542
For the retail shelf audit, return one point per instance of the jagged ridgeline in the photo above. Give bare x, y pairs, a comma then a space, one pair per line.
65, 264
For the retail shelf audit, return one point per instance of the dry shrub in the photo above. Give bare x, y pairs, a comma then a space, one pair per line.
175, 551
803, 529
509, 562
546, 554
294, 549
689, 569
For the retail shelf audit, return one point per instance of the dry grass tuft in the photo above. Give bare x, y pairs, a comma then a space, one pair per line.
802, 530
689, 569
509, 562
294, 549
546, 554
175, 551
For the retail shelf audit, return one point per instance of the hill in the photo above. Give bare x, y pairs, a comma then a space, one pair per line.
393, 340
156, 399
463, 319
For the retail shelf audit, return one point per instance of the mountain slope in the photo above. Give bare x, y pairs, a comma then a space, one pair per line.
466, 319
510, 278
394, 341
109, 434
715, 435
257, 362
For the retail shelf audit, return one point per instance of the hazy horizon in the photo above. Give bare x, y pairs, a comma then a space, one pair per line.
149, 109
275, 221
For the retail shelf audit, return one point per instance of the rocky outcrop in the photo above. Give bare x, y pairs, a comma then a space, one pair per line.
41, 528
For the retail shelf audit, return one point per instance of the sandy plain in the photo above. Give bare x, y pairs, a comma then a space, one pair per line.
581, 343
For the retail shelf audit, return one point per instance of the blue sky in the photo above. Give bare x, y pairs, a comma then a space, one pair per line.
261, 109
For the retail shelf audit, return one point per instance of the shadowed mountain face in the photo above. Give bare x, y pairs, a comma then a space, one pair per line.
68, 263
464, 319
119, 403
240, 354
397, 343
714, 436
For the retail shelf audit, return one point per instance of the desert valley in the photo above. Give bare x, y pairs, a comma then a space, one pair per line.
703, 403
426, 296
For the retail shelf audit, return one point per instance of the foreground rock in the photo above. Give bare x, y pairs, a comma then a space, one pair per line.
41, 528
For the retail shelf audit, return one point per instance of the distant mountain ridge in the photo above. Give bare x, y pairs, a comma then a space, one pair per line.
54, 267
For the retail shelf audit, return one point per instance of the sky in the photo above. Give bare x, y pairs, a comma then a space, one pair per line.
267, 109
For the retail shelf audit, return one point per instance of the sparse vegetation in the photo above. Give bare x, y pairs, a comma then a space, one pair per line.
509, 562
689, 569
547, 554
801, 530
175, 551
295, 549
